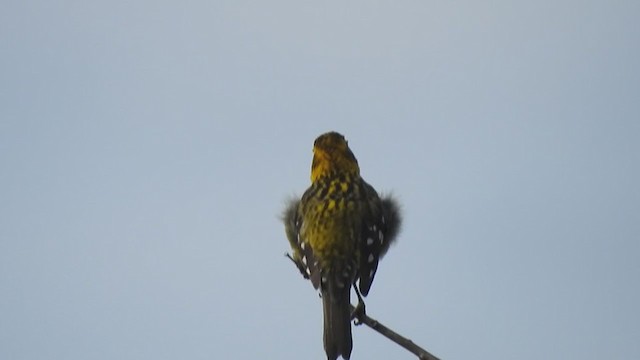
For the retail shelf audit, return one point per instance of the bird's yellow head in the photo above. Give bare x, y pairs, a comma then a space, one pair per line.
331, 156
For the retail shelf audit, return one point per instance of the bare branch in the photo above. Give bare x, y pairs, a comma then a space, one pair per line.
421, 353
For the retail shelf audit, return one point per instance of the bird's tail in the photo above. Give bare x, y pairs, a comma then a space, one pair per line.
337, 324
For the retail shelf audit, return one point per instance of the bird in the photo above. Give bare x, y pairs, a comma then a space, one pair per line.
338, 232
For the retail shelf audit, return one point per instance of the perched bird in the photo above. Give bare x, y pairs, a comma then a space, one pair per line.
338, 232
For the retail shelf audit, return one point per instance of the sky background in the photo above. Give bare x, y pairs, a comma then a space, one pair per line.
147, 149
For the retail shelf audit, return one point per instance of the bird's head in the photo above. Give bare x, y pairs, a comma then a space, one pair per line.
332, 156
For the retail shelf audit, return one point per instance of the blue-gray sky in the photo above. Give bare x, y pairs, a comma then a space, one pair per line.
147, 149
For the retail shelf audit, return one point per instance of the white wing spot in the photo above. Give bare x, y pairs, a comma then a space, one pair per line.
371, 273
369, 241
370, 259
304, 260
380, 234
383, 220
302, 244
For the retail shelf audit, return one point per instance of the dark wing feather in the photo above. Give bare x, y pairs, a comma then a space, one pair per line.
307, 260
371, 238
379, 232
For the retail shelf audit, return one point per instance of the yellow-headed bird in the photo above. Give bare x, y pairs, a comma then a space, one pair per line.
338, 232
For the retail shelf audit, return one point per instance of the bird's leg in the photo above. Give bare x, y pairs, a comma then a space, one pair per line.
359, 312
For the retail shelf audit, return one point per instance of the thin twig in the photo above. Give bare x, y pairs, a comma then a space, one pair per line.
421, 353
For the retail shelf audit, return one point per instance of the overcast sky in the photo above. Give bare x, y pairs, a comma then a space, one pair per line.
147, 149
